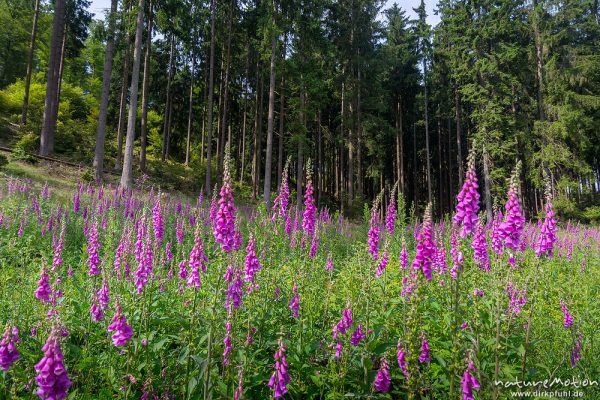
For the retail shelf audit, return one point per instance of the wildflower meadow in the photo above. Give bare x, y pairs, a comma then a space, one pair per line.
141, 294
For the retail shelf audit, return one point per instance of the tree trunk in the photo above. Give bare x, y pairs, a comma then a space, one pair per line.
190, 104
166, 124
211, 72
258, 140
458, 138
61, 67
146, 91
127, 175
124, 86
440, 171
244, 116
428, 155
34, 29
270, 117
300, 162
400, 145
280, 155
50, 105
103, 106
539, 62
319, 173
226, 86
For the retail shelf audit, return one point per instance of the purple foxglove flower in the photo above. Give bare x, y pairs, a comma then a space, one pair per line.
295, 302
568, 318
425, 246
196, 261
401, 357
424, 357
468, 201
344, 324
478, 292
576, 352
403, 256
227, 343
314, 245
382, 264
96, 311
93, 246
517, 299
45, 191
547, 237
43, 290
224, 225
57, 261
144, 270
168, 252
8, 349
383, 379
103, 296
235, 292
251, 263
280, 378
280, 206
52, 378
309, 218
179, 231
158, 221
373, 233
496, 233
390, 218
122, 331
358, 336
468, 382
338, 350
480, 248
514, 220
329, 265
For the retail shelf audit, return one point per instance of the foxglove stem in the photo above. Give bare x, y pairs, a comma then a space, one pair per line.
530, 319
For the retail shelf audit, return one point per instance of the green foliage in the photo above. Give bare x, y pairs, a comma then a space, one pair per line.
25, 147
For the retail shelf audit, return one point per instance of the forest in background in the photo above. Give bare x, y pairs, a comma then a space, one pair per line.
369, 95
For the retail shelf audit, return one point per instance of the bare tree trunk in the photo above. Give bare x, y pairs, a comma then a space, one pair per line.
428, 155
124, 89
190, 104
280, 155
400, 145
538, 61
244, 116
450, 170
167, 122
61, 67
458, 137
415, 169
34, 29
440, 171
50, 105
258, 141
358, 127
226, 85
146, 91
319, 164
127, 175
270, 118
103, 106
300, 161
211, 72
